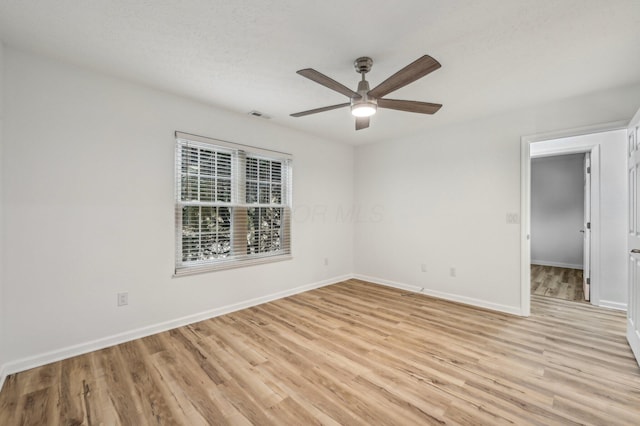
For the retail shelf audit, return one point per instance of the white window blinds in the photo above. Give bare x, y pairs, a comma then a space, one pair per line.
233, 205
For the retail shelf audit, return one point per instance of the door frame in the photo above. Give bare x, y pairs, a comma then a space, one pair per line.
525, 202
586, 231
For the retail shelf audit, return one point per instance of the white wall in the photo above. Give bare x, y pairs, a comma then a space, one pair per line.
557, 210
612, 276
3, 345
88, 190
445, 195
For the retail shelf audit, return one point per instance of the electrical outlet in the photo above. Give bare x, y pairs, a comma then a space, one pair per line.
452, 271
123, 299
513, 218
423, 267
326, 261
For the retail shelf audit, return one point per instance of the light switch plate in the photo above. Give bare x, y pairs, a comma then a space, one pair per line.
513, 218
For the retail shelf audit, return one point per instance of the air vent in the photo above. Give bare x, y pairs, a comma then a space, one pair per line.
255, 113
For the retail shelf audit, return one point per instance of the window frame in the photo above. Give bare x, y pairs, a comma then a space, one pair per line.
239, 255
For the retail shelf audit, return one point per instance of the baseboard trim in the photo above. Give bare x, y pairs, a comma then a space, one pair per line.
612, 305
105, 342
556, 264
478, 303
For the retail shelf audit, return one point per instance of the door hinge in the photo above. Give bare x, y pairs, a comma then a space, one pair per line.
588, 225
588, 280
588, 170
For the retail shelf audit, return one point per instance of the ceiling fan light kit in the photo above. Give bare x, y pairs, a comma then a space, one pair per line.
365, 102
363, 109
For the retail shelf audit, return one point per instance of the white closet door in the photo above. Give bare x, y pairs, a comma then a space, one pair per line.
633, 307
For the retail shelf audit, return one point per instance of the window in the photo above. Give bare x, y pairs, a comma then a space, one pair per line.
233, 205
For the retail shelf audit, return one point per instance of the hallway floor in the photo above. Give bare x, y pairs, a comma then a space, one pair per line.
560, 283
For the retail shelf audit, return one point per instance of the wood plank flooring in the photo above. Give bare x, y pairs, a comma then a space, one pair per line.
561, 283
353, 353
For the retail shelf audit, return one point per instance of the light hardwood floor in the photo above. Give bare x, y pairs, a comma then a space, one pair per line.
354, 354
561, 283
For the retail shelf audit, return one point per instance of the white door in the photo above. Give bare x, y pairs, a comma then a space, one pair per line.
586, 272
633, 307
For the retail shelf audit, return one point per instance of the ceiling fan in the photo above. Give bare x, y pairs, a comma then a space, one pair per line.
365, 102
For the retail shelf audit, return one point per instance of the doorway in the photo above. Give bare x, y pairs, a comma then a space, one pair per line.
608, 238
560, 225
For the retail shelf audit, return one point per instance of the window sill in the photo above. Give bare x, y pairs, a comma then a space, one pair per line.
232, 264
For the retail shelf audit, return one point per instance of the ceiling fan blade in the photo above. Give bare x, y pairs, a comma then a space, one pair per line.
320, 78
409, 106
362, 123
317, 110
406, 75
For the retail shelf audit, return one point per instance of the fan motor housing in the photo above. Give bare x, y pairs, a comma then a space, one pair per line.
363, 64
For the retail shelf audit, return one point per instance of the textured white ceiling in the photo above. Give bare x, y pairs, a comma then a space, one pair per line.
242, 55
